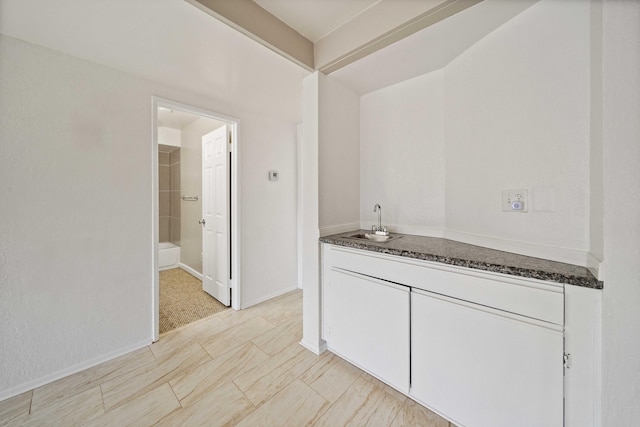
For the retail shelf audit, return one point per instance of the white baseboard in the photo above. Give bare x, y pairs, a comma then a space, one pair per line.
335, 229
190, 270
316, 349
268, 297
30, 385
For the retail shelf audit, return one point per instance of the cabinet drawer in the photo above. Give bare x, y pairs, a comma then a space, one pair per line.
527, 297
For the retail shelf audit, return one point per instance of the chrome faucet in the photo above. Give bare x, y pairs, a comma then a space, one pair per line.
379, 229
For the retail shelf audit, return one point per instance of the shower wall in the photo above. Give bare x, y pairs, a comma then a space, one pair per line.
169, 193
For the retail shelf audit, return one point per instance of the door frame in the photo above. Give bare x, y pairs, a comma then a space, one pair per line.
235, 205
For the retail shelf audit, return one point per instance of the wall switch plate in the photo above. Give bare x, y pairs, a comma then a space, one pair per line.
514, 201
274, 176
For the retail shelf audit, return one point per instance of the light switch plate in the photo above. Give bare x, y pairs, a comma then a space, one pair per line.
514, 201
274, 175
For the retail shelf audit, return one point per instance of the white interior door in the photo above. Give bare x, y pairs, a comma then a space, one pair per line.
215, 215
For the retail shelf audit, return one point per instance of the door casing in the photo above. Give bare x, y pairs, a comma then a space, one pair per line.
235, 215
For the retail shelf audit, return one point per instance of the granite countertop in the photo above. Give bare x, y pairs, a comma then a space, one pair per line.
471, 256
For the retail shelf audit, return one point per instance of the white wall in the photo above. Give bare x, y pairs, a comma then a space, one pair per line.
621, 169
191, 184
511, 112
268, 209
596, 216
517, 117
338, 156
76, 183
309, 217
168, 136
402, 162
330, 182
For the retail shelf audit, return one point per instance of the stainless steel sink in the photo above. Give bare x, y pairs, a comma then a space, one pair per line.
374, 237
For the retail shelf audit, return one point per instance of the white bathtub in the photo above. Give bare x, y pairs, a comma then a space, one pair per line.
168, 255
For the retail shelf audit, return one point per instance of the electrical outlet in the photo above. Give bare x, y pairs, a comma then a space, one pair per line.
514, 201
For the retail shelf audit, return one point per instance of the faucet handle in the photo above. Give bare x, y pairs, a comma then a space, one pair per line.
382, 231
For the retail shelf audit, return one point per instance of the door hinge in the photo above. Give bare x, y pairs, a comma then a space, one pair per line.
566, 360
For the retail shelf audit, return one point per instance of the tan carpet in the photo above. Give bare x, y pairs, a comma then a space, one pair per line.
183, 301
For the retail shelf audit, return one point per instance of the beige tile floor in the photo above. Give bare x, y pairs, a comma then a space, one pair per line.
241, 368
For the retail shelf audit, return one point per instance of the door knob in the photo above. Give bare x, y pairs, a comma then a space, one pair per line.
201, 221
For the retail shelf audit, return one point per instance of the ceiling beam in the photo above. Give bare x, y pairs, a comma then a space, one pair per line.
257, 23
328, 55
354, 40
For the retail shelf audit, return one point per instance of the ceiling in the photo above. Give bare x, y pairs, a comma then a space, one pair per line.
367, 44
175, 119
336, 32
438, 43
176, 44
178, 119
168, 42
314, 19
429, 49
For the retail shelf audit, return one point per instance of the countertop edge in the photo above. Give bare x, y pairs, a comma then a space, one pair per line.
585, 282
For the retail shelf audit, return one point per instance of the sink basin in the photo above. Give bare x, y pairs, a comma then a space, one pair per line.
373, 237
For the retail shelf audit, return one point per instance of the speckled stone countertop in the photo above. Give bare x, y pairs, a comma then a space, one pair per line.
471, 256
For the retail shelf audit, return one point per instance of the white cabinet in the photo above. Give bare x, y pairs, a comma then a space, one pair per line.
367, 323
582, 387
484, 367
480, 348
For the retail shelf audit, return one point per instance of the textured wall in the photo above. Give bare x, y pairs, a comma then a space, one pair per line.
402, 153
512, 111
76, 225
76, 246
621, 154
338, 154
517, 116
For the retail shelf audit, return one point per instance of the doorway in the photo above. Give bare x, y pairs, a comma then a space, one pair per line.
179, 128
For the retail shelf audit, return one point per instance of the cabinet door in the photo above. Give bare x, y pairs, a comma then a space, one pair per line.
484, 367
367, 323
